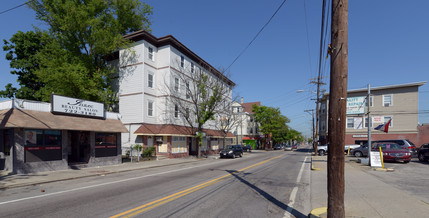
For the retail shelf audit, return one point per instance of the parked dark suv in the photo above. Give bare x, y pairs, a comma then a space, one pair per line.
247, 148
232, 151
423, 152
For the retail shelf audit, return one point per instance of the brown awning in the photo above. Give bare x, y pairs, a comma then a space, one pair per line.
29, 119
170, 129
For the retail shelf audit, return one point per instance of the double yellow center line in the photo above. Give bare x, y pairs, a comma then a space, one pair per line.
164, 200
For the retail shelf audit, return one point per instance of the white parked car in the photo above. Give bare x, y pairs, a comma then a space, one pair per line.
346, 147
322, 149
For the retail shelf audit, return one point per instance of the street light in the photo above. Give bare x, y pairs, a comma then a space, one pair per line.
301, 90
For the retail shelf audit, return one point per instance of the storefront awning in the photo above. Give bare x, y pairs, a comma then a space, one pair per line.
29, 119
175, 130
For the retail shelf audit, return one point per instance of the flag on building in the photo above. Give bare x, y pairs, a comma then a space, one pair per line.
384, 127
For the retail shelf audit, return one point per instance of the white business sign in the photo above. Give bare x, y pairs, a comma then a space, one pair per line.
61, 104
355, 105
375, 159
377, 119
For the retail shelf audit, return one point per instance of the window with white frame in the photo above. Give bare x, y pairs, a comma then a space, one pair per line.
350, 122
178, 144
214, 144
176, 111
371, 100
150, 80
188, 91
151, 54
176, 84
387, 118
192, 67
150, 108
366, 121
387, 100
182, 61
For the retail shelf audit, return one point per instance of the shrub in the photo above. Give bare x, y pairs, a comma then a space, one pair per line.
137, 147
149, 151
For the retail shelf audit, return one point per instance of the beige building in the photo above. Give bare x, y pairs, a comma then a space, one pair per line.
396, 102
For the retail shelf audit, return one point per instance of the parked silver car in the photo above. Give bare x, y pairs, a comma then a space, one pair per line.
362, 151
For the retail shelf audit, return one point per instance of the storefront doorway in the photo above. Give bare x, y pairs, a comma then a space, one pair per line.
78, 147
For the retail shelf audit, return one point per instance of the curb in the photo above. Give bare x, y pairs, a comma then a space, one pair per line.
85, 176
384, 169
314, 168
318, 212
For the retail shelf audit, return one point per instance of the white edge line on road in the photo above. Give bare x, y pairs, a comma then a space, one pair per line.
98, 185
292, 197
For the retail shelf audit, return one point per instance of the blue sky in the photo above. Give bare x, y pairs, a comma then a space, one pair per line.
388, 44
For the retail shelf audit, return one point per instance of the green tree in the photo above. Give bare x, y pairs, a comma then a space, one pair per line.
82, 34
203, 96
271, 121
294, 135
21, 52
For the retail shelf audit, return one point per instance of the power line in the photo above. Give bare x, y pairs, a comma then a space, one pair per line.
16, 7
284, 1
308, 41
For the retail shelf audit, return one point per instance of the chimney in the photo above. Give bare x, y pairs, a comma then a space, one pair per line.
242, 100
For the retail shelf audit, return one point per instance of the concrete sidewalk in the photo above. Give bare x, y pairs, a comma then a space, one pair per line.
9, 180
365, 195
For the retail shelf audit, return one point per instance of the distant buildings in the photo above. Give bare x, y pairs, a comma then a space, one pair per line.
246, 129
396, 102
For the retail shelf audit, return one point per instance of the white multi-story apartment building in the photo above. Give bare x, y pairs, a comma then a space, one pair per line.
246, 128
149, 71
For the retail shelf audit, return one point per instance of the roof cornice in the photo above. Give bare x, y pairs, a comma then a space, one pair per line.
385, 87
171, 40
389, 87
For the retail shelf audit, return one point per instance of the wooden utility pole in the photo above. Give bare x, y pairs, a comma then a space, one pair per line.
337, 108
314, 136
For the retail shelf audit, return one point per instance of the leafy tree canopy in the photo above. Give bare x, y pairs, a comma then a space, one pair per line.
69, 58
21, 52
272, 121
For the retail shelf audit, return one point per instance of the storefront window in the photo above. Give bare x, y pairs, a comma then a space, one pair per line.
42, 145
7, 140
106, 144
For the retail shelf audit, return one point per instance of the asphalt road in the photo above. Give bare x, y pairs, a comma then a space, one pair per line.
263, 184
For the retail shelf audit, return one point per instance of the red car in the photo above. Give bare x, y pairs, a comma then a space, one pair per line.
393, 152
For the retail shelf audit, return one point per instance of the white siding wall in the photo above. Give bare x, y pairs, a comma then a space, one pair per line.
131, 80
134, 92
163, 56
129, 138
131, 69
131, 108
